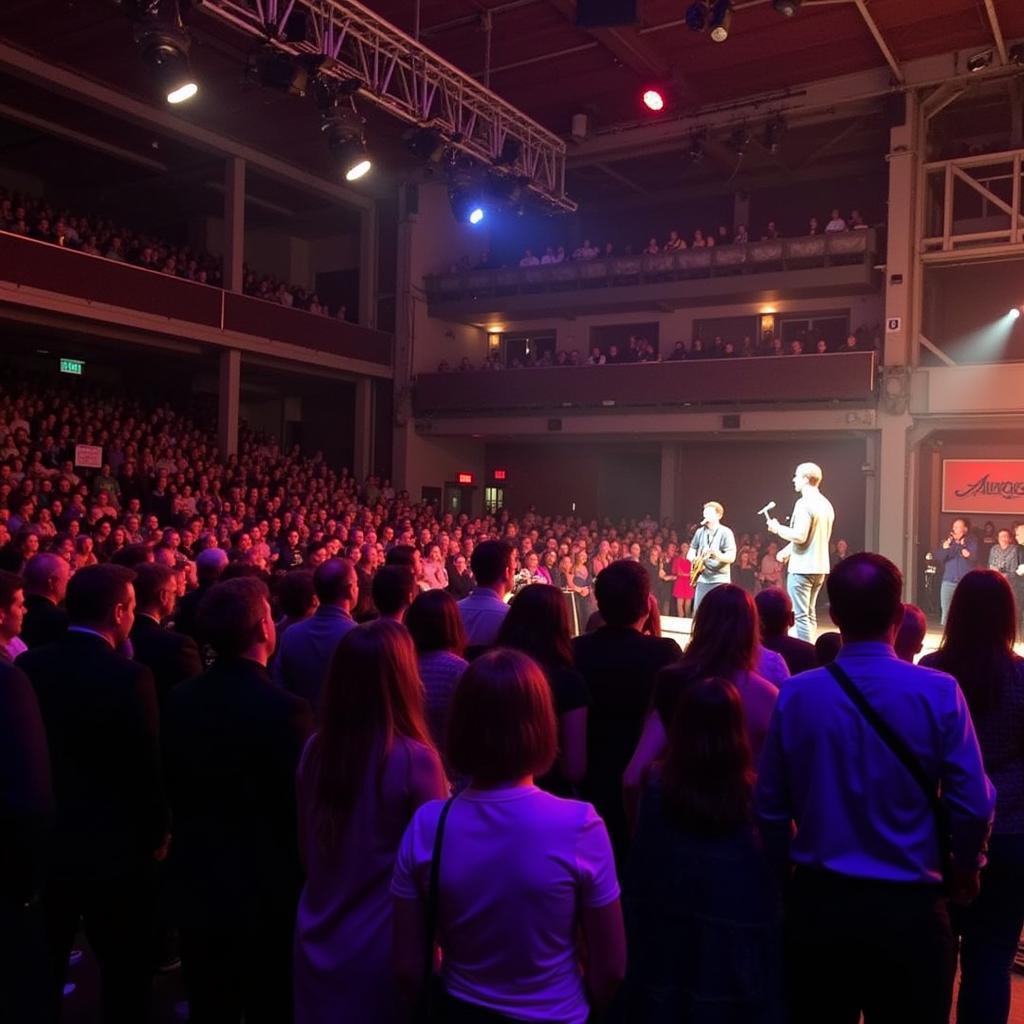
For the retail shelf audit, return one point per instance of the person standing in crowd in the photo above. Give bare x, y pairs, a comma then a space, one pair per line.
361, 778
305, 655
507, 846
977, 650
494, 567
1004, 555
619, 664
12, 616
46, 578
101, 718
714, 547
369, 561
394, 590
296, 597
703, 907
232, 742
682, 588
807, 553
775, 613
210, 566
171, 657
957, 555
867, 920
460, 579
538, 625
910, 636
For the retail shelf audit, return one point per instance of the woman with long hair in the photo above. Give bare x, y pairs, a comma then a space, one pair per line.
977, 650
725, 643
525, 880
538, 625
361, 777
703, 910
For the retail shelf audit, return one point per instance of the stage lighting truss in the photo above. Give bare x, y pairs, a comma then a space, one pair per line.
411, 82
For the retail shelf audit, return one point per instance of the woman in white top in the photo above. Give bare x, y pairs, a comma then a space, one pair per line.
523, 874
435, 575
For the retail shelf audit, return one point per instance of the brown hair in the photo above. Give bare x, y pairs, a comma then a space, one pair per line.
502, 723
373, 694
538, 625
708, 774
434, 621
725, 634
230, 613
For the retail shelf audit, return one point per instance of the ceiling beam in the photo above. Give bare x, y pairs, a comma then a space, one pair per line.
621, 178
876, 32
997, 31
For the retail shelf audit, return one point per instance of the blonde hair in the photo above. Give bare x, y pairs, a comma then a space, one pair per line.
716, 507
811, 470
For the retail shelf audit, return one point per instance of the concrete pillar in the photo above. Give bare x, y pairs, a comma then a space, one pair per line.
896, 474
228, 401
368, 268
669, 459
362, 457
234, 222
403, 435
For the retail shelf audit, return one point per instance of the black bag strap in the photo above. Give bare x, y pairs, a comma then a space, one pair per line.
433, 894
899, 748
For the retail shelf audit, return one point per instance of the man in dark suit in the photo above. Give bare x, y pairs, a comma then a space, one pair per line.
775, 610
46, 581
232, 742
619, 664
171, 657
100, 713
210, 565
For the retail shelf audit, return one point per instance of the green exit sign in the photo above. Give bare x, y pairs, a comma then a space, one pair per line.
75, 366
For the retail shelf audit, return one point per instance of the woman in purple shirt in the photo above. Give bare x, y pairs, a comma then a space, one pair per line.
360, 779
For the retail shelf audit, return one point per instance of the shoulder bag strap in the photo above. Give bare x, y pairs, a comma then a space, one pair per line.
433, 895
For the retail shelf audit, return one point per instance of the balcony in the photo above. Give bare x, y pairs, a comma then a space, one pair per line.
29, 269
837, 263
840, 378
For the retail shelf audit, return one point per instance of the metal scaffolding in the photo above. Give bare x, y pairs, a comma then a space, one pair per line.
411, 82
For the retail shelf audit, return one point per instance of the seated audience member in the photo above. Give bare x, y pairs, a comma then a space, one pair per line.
619, 664
851, 344
856, 221
813, 227
698, 880
100, 713
596, 357
722, 235
435, 624
608, 251
548, 257
586, 251
369, 562
296, 597
394, 590
821, 347
741, 237
362, 776
529, 260
674, 243
678, 351
302, 662
171, 657
232, 741
494, 567
775, 613
651, 249
538, 625
836, 222
699, 241
1005, 556
460, 579
497, 961
827, 646
435, 575
12, 616
771, 232
868, 929
910, 636
46, 581
977, 651
560, 254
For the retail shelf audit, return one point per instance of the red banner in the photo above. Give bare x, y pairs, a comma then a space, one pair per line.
983, 486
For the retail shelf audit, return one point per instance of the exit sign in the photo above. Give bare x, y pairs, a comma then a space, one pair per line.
75, 366
465, 478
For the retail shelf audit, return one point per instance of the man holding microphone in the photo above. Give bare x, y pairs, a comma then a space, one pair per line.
957, 555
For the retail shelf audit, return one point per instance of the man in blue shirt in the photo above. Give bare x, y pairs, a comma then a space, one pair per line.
957, 555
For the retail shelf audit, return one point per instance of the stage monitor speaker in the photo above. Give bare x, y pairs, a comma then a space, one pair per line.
605, 13
731, 421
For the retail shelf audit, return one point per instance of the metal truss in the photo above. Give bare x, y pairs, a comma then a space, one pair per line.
411, 82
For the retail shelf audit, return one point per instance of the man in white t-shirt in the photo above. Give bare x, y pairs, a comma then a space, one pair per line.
836, 223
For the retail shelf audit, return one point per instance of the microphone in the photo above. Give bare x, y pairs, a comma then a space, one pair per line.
767, 508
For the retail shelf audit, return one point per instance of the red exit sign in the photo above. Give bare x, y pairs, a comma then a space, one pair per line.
465, 478
501, 474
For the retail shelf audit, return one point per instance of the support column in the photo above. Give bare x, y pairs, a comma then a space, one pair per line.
741, 210
669, 458
362, 447
405, 310
897, 481
228, 401
368, 267
234, 222
903, 284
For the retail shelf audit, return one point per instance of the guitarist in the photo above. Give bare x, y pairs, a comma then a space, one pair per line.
712, 551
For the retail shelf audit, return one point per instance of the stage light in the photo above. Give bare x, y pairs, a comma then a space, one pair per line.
276, 69
787, 8
1014, 313
696, 17
343, 128
165, 49
773, 132
425, 143
184, 92
653, 100
720, 20
476, 215
979, 61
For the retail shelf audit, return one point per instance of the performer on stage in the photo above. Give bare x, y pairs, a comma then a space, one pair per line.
712, 551
808, 533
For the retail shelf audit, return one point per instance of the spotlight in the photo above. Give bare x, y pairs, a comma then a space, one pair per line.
466, 188
165, 50
773, 132
697, 16
343, 129
425, 143
720, 20
979, 61
511, 150
1014, 313
787, 8
476, 215
279, 70
653, 100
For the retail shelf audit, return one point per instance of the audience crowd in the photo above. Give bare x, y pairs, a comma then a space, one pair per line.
98, 236
351, 756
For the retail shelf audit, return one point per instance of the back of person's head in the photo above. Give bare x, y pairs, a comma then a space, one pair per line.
827, 646
393, 589
622, 590
132, 555
40, 572
435, 624
372, 695
725, 634
502, 725
10, 584
708, 772
981, 627
335, 582
401, 554
910, 636
490, 561
774, 610
210, 564
232, 613
865, 596
295, 594
538, 625
151, 581
96, 592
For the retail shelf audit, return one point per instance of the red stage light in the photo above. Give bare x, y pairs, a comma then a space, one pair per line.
653, 100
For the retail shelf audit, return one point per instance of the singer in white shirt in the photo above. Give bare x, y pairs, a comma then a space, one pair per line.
808, 533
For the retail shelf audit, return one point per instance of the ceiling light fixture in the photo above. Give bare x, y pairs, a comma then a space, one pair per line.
164, 45
979, 61
720, 20
787, 8
343, 128
697, 16
653, 100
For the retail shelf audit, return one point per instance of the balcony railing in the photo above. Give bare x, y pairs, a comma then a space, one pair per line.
825, 250
774, 380
28, 263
